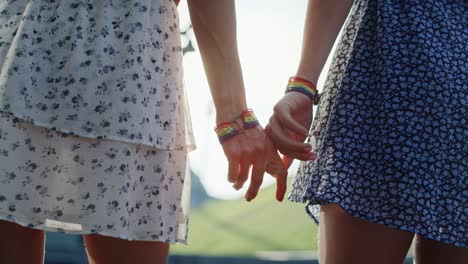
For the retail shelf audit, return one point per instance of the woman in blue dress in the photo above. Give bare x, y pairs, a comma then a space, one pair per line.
386, 157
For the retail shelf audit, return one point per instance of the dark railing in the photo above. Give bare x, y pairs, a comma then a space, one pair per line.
240, 260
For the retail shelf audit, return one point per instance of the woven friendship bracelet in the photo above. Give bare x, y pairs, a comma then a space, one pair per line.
249, 119
297, 84
225, 131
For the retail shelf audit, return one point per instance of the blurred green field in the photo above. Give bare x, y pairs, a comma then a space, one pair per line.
240, 228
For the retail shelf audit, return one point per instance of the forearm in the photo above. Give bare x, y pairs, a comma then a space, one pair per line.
323, 22
214, 24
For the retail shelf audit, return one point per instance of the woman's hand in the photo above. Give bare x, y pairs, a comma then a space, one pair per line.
292, 116
244, 151
289, 127
252, 148
276, 168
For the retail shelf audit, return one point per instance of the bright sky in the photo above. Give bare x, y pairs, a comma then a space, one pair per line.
270, 41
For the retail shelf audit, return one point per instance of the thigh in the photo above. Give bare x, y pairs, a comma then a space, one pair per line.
427, 251
346, 239
20, 245
104, 250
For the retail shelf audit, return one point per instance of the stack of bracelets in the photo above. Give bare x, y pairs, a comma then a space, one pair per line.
225, 130
303, 86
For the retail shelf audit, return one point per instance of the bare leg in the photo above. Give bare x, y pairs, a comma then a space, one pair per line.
346, 239
109, 250
20, 245
429, 251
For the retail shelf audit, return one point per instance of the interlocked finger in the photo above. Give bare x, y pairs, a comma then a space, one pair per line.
283, 142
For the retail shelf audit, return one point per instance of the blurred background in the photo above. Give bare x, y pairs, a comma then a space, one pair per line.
222, 222
269, 36
224, 228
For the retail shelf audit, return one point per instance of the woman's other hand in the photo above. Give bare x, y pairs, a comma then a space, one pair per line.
244, 151
253, 151
289, 127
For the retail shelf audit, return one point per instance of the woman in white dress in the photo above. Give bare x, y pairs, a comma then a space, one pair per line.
94, 133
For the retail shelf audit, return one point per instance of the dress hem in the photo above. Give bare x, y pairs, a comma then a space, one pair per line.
42, 227
317, 202
188, 148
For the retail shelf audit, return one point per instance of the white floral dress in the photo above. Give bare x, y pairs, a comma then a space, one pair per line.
94, 125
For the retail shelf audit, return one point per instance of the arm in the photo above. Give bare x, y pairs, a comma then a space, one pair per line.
290, 123
324, 20
214, 24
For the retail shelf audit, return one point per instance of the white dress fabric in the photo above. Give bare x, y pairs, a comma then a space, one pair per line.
99, 69
94, 125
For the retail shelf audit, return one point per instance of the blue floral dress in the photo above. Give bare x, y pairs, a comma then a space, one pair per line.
94, 128
390, 131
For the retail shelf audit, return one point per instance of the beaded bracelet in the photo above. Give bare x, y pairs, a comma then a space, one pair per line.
303, 86
225, 130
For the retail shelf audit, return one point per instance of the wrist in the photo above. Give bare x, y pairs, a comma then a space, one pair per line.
228, 115
308, 74
228, 112
246, 119
228, 91
301, 85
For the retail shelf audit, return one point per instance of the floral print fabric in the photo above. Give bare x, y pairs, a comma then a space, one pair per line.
53, 181
390, 131
96, 68
94, 126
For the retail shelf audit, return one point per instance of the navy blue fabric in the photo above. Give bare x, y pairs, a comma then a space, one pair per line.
390, 130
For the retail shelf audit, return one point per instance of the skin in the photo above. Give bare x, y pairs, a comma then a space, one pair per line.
433, 252
15, 237
100, 249
109, 250
346, 239
342, 237
214, 24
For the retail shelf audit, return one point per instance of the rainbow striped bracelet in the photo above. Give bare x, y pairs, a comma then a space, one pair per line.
303, 86
249, 119
225, 131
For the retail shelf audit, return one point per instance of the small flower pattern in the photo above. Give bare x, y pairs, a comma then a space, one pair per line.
96, 68
54, 181
94, 125
390, 130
